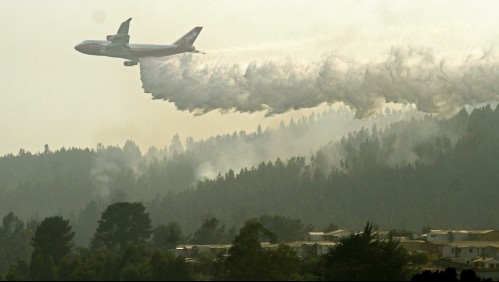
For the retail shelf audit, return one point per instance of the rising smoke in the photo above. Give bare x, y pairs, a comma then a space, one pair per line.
406, 76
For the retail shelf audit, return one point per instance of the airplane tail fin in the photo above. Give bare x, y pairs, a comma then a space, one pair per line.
189, 38
123, 30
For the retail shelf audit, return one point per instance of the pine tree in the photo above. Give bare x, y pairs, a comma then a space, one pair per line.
247, 259
122, 225
167, 236
54, 237
209, 232
41, 268
364, 256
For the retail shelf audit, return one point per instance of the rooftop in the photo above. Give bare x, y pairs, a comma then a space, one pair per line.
475, 232
340, 232
492, 260
467, 244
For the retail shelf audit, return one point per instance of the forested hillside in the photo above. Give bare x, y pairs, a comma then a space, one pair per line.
63, 181
400, 170
417, 173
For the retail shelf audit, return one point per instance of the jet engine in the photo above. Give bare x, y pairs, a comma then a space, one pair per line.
130, 63
109, 37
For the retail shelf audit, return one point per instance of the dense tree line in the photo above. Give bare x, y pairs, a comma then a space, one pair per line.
427, 171
452, 181
80, 183
66, 179
15, 241
36, 251
125, 253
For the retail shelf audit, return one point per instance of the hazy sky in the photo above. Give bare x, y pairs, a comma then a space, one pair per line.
51, 94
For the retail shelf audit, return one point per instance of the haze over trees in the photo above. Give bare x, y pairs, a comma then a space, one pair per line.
427, 171
210, 232
15, 241
67, 179
453, 166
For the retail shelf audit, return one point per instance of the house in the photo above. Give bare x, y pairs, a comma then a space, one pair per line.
383, 234
269, 246
192, 251
463, 235
415, 246
487, 268
312, 249
302, 249
185, 251
468, 249
484, 235
337, 235
315, 236
333, 236
214, 250
322, 248
486, 263
447, 235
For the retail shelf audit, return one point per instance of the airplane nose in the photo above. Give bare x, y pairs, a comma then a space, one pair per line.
80, 48
89, 49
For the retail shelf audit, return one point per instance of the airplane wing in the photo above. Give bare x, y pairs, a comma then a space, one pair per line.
121, 38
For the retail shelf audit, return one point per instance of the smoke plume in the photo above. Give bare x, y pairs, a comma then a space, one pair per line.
406, 76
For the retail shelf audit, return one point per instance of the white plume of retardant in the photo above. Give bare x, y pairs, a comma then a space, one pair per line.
406, 76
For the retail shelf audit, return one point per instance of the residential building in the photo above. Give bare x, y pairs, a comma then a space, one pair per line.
487, 268
337, 235
415, 246
315, 236
192, 251
333, 236
303, 249
486, 263
467, 249
463, 235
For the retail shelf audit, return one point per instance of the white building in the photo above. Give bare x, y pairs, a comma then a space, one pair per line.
192, 251
469, 250
315, 236
463, 235
333, 236
486, 263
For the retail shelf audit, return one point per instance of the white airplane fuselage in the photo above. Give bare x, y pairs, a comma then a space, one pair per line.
134, 51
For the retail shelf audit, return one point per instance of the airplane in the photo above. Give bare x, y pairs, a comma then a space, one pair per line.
118, 46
